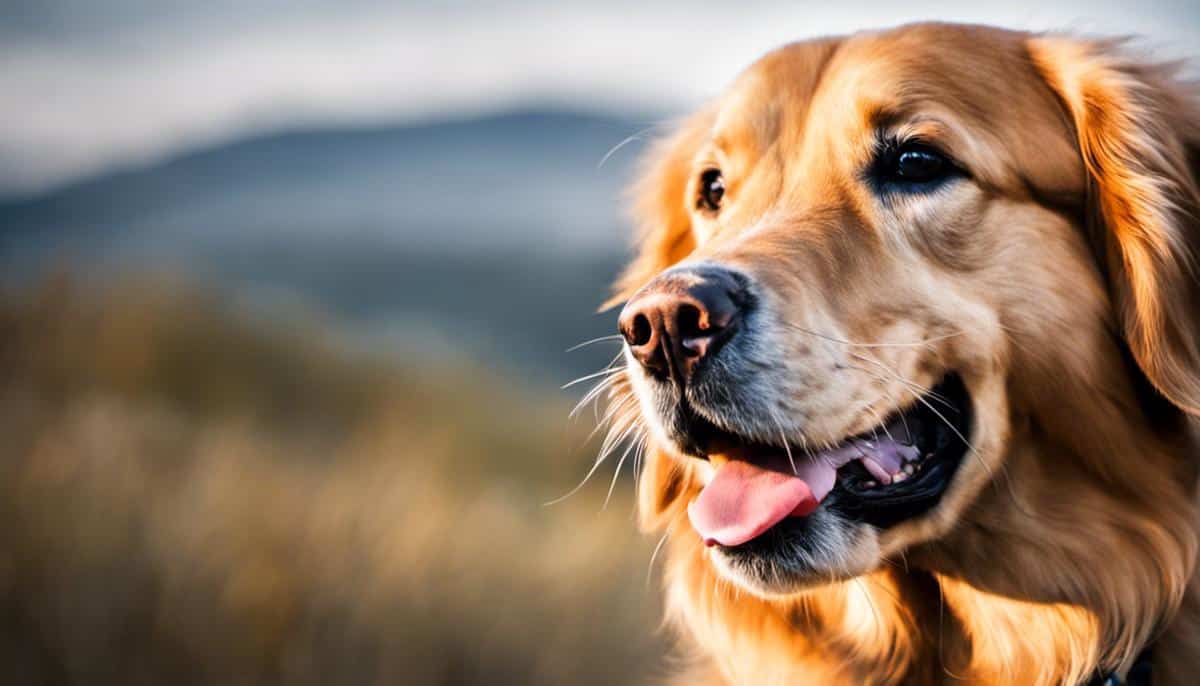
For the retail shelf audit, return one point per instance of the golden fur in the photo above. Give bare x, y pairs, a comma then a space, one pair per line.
1060, 282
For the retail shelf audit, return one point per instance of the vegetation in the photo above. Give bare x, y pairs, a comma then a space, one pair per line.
190, 495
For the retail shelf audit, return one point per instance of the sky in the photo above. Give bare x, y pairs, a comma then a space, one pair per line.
91, 85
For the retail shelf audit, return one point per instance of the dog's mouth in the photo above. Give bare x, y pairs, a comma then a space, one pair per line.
892, 472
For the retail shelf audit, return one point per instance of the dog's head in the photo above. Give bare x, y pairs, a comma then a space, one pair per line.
886, 281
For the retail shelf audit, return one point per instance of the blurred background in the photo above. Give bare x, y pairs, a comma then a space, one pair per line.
287, 293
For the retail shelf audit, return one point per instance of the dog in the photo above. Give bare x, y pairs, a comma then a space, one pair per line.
912, 333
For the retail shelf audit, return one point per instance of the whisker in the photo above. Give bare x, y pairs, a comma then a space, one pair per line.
616, 435
940, 416
1021, 506
613, 382
903, 420
654, 555
783, 439
622, 406
621, 423
593, 398
626, 141
594, 394
867, 592
599, 339
874, 375
637, 461
971, 448
941, 631
887, 591
807, 450
602, 372
609, 443
617, 472
880, 424
918, 392
861, 453
914, 344
912, 385
573, 491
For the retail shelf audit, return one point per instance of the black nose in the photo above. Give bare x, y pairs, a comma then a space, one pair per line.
680, 318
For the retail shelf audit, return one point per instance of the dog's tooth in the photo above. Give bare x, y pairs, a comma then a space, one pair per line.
909, 468
898, 477
876, 470
870, 484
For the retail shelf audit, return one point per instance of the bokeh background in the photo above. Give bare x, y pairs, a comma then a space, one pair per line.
287, 290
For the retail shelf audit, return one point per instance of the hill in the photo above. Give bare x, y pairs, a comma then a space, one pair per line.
488, 238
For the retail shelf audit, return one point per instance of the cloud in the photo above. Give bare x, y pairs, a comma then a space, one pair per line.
108, 90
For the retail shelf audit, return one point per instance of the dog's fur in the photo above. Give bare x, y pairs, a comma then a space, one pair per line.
1059, 279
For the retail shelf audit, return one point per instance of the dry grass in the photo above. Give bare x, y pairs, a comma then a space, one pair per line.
191, 497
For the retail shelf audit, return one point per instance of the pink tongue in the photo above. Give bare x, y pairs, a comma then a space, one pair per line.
744, 500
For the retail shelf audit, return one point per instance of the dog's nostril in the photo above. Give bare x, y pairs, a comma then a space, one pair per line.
641, 331
690, 321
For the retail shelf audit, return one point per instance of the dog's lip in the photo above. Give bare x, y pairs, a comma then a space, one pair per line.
754, 488
717, 445
883, 480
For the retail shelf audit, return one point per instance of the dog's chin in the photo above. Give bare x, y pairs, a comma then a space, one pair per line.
800, 553
839, 539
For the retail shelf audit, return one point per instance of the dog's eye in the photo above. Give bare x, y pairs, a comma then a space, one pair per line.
712, 190
912, 166
919, 165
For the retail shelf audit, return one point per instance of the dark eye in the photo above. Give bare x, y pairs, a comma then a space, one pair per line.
712, 190
912, 167
920, 165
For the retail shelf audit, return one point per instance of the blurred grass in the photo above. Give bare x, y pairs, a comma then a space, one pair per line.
190, 496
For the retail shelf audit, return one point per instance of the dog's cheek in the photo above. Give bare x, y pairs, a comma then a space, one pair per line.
665, 485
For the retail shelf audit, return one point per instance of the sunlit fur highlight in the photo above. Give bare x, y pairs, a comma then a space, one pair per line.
1133, 124
1079, 548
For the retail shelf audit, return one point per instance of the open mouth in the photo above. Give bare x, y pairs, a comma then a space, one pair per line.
890, 473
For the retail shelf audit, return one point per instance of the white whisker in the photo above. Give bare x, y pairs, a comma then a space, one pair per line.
599, 339
620, 422
623, 406
573, 491
616, 435
914, 344
783, 439
617, 472
637, 461
949, 425
917, 388
594, 394
626, 141
879, 423
654, 555
602, 372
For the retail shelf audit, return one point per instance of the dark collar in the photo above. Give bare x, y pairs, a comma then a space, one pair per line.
1139, 673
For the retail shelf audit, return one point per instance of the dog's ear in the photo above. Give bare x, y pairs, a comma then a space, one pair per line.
661, 208
1138, 132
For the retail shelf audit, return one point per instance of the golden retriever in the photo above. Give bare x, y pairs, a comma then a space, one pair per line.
913, 333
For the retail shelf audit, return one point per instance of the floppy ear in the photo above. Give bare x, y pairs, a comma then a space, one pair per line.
660, 206
1138, 132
